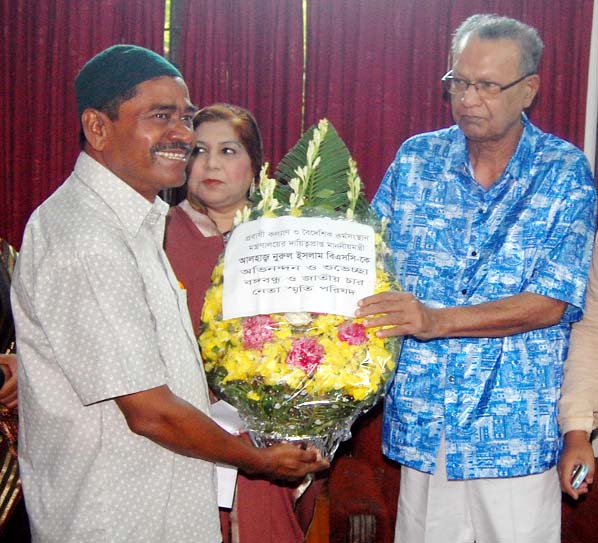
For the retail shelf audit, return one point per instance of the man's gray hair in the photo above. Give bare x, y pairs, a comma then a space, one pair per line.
495, 27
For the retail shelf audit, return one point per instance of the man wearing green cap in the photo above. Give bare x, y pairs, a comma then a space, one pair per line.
116, 445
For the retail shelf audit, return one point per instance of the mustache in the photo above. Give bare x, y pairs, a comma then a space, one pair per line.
175, 146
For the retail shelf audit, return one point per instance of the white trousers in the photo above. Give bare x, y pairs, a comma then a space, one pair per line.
433, 509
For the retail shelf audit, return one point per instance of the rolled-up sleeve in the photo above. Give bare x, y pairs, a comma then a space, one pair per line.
578, 407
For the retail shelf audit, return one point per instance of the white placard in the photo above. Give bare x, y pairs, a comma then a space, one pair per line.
227, 484
295, 264
228, 418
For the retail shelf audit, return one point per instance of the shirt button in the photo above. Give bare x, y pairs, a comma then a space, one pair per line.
451, 379
474, 253
464, 291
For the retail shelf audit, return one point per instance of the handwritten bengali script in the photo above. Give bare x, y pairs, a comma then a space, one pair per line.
296, 264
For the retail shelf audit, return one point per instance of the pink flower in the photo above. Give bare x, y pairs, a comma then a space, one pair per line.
257, 331
352, 332
306, 354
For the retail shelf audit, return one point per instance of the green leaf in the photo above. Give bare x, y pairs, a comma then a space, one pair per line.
327, 189
324, 193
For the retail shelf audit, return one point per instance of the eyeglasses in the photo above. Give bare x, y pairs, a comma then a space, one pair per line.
456, 85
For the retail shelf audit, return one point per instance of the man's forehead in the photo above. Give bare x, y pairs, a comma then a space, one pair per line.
165, 93
499, 53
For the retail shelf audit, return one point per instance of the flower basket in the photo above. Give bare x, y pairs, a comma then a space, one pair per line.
301, 375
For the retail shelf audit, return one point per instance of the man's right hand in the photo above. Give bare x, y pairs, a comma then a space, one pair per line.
287, 461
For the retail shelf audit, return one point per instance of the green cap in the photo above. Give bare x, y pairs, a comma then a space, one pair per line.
116, 70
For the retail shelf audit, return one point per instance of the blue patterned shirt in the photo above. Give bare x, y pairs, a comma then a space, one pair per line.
458, 244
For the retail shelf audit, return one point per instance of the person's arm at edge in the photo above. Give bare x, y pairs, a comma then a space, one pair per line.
579, 393
8, 392
166, 419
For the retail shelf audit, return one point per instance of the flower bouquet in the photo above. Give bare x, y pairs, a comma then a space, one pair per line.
278, 339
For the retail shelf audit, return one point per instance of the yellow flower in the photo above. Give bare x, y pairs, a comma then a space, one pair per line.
384, 282
284, 397
238, 364
218, 272
212, 306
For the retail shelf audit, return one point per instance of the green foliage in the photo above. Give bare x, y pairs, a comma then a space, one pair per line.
279, 409
327, 185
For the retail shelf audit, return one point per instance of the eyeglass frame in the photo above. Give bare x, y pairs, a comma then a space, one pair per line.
448, 77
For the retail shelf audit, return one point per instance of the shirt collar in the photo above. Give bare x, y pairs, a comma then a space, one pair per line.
516, 167
519, 165
131, 209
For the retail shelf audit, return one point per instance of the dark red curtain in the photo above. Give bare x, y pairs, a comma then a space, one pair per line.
44, 43
374, 68
248, 53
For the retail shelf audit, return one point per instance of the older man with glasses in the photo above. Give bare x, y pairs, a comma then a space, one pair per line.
491, 227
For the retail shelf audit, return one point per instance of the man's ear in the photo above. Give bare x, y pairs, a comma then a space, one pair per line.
96, 127
532, 84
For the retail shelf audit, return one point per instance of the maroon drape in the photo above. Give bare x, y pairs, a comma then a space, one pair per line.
374, 68
44, 43
248, 53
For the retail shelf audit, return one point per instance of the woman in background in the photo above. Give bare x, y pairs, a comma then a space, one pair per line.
225, 164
